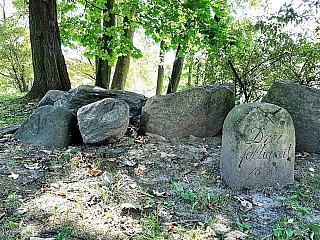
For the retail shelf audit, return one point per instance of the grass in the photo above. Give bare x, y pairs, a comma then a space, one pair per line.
14, 109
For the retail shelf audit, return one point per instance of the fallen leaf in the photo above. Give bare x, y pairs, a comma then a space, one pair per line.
94, 172
140, 140
76, 159
160, 194
141, 173
2, 215
203, 172
172, 228
30, 195
61, 193
88, 154
210, 206
13, 175
111, 159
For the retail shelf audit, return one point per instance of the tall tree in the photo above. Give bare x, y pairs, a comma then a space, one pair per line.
123, 63
104, 67
160, 76
184, 25
50, 71
176, 72
109, 42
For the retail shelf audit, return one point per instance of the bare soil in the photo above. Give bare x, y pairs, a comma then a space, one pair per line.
145, 188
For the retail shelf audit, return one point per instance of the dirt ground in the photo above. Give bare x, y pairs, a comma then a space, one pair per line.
146, 188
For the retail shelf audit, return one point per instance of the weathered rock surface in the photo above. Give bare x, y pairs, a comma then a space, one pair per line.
51, 126
103, 121
85, 94
303, 104
50, 97
258, 146
198, 111
9, 130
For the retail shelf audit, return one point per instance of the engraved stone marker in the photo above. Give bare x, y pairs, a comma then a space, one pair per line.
258, 146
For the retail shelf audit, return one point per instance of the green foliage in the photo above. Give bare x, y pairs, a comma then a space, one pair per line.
289, 228
14, 109
255, 54
243, 226
15, 52
193, 24
80, 25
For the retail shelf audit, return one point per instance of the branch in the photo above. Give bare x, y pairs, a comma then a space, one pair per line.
242, 86
5, 75
258, 65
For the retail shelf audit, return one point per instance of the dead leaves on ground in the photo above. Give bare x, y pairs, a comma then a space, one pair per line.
61, 193
94, 172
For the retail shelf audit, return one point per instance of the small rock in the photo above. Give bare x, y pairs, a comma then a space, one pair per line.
128, 163
235, 235
106, 179
19, 211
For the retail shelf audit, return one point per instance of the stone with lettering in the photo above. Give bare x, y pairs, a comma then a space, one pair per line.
198, 111
50, 126
303, 104
104, 121
258, 146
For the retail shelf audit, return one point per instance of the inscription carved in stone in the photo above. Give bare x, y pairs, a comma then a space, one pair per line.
258, 146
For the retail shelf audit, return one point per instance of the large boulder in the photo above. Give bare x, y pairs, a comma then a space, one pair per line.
86, 94
104, 121
198, 111
258, 146
50, 126
303, 104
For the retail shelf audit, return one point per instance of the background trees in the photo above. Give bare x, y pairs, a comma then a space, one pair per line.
125, 44
15, 52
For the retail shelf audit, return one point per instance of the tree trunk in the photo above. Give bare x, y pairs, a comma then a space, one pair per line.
103, 70
176, 72
123, 63
50, 71
190, 72
160, 70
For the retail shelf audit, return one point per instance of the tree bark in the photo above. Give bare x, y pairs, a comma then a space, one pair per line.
50, 71
160, 70
123, 63
104, 68
176, 72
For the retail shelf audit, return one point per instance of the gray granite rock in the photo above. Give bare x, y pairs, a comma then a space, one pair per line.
303, 104
50, 126
103, 121
258, 146
198, 111
85, 94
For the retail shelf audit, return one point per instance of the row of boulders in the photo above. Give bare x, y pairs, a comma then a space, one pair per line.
95, 115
